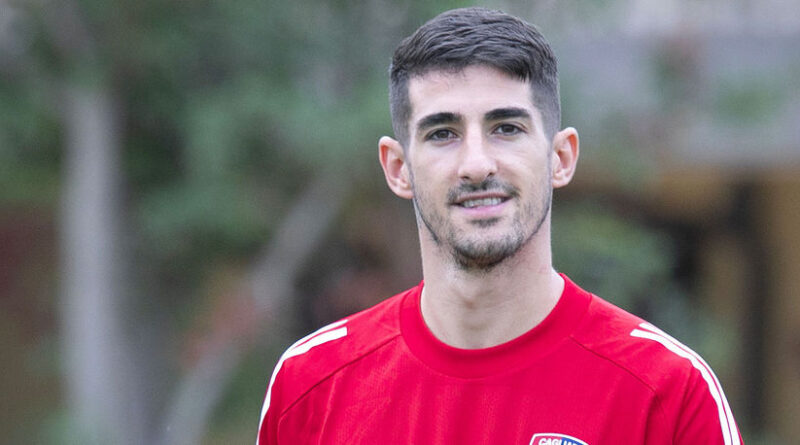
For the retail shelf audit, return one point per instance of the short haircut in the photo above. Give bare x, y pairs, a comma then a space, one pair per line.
457, 39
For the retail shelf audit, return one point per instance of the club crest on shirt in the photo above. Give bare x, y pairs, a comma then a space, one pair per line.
555, 439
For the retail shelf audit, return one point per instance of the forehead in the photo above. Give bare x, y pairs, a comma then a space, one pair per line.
473, 90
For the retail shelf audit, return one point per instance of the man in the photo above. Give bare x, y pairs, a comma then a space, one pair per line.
495, 346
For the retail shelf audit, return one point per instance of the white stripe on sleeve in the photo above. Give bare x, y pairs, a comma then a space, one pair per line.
729, 432
322, 335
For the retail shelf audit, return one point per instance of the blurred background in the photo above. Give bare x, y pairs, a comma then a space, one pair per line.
187, 186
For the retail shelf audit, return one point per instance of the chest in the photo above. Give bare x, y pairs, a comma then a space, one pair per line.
401, 401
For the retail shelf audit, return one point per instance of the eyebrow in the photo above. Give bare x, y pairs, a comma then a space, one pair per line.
432, 120
505, 113
447, 117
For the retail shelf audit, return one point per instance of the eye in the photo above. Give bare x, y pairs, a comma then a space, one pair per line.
507, 129
441, 134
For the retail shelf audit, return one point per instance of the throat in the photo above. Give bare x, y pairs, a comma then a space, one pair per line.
473, 317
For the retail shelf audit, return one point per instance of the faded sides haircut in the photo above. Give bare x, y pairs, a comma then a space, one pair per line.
460, 38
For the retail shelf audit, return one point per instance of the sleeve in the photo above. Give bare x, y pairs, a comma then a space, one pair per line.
284, 383
693, 404
704, 415
268, 425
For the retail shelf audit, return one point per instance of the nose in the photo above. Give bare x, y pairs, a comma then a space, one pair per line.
476, 163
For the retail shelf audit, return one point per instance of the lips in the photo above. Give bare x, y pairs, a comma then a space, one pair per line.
472, 201
481, 202
488, 194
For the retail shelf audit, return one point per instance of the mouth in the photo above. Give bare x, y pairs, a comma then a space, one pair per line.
480, 202
475, 201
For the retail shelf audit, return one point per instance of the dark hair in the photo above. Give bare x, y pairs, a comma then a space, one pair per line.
464, 37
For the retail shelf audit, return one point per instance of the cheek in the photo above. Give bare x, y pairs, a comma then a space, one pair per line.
523, 169
430, 173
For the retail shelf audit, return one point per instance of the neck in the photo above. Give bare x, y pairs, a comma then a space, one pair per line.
479, 309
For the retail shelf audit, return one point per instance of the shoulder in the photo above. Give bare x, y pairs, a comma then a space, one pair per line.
321, 354
346, 340
652, 356
680, 380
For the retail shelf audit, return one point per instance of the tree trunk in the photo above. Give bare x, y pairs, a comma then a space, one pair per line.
98, 377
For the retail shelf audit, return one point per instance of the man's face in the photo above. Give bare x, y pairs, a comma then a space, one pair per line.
479, 163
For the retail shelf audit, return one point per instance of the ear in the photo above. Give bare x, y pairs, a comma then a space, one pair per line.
395, 167
565, 150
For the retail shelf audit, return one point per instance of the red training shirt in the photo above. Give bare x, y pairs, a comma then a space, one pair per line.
589, 373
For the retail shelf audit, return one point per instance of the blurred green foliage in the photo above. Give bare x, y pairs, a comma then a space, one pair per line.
744, 102
616, 257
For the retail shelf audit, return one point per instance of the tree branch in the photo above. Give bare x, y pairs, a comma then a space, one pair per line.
267, 292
